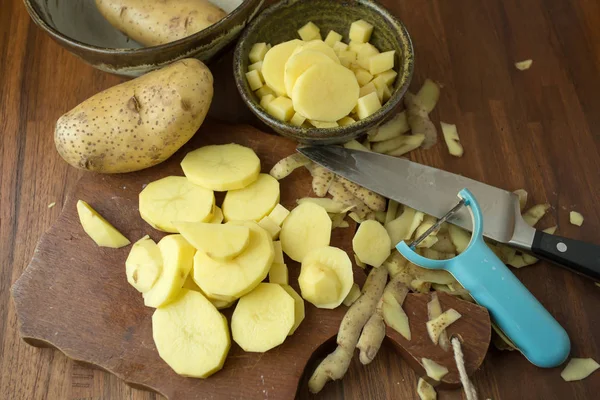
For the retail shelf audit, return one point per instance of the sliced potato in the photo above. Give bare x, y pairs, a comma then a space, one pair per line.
298, 307
234, 278
437, 325
172, 199
144, 264
298, 63
278, 253
433, 369
221, 167
578, 369
219, 242
326, 277
325, 92
307, 227
279, 214
189, 284
330, 205
263, 318
177, 255
371, 243
253, 202
278, 274
318, 46
273, 68
98, 228
191, 336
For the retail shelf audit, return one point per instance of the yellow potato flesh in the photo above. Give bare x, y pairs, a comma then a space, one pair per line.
253, 202
191, 336
307, 227
318, 46
371, 243
177, 255
326, 92
144, 264
278, 274
232, 279
298, 307
300, 62
263, 318
319, 284
191, 285
274, 65
98, 228
172, 199
219, 242
328, 259
221, 167
217, 217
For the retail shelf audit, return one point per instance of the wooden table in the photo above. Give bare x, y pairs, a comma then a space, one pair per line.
537, 129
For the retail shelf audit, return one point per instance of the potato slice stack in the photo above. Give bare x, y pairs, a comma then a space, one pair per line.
322, 84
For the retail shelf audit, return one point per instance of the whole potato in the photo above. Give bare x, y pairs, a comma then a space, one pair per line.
158, 22
139, 123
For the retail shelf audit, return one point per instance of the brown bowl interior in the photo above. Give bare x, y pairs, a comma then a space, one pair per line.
280, 23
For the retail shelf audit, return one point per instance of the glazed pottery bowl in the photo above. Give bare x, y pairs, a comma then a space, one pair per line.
281, 21
78, 26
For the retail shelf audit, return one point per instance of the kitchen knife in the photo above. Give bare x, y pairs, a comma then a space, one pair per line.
433, 192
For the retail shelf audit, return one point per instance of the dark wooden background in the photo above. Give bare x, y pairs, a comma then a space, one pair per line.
538, 129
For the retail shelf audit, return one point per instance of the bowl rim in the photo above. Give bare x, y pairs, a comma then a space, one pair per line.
348, 132
188, 40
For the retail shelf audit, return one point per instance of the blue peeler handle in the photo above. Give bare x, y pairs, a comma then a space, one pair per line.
515, 310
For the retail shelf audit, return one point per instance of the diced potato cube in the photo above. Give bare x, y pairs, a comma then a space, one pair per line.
263, 91
452, 140
270, 226
382, 88
368, 88
381, 62
278, 252
279, 214
256, 66
265, 100
278, 274
254, 79
387, 93
322, 124
297, 119
367, 105
362, 76
360, 31
310, 31
389, 76
365, 52
379, 82
346, 121
355, 46
257, 52
332, 38
347, 57
576, 218
281, 108
338, 47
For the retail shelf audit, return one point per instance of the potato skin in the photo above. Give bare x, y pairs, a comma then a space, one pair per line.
139, 123
153, 23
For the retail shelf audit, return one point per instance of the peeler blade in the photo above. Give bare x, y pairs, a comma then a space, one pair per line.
427, 189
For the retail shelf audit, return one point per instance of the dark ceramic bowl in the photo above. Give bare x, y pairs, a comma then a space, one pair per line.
280, 22
79, 27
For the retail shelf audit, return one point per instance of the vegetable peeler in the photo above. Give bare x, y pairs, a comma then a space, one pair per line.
521, 317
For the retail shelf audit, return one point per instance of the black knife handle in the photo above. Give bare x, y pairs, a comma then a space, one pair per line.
580, 257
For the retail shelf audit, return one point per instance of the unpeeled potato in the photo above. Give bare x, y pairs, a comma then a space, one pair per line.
139, 123
154, 23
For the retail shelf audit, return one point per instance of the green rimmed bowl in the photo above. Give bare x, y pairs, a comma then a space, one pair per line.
280, 22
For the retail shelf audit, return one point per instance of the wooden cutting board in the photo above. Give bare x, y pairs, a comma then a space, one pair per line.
74, 295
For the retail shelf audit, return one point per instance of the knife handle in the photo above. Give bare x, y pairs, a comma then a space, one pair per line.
515, 310
580, 257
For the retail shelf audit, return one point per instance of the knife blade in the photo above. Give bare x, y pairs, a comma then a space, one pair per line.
429, 190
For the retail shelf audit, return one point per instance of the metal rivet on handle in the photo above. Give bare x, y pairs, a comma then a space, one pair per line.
561, 247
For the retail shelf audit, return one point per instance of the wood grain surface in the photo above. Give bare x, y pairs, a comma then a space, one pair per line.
536, 129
